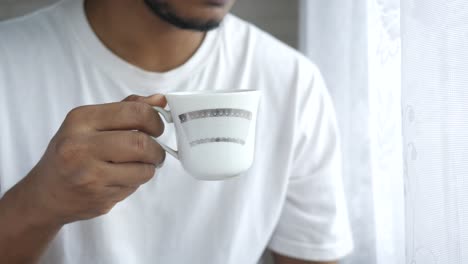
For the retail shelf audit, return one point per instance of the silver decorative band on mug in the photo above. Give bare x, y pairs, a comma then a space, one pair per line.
216, 140
218, 112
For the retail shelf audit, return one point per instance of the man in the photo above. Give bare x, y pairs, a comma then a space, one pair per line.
87, 194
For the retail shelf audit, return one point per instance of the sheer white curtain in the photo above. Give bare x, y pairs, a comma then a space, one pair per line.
435, 111
356, 44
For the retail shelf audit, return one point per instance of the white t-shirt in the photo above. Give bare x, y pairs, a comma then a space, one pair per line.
291, 200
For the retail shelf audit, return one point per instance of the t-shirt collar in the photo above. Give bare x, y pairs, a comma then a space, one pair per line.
116, 67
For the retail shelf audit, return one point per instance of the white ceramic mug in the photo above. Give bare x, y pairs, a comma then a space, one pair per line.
215, 131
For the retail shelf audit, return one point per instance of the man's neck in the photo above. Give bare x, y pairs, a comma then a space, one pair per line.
134, 33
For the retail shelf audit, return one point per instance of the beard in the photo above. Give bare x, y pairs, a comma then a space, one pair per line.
166, 13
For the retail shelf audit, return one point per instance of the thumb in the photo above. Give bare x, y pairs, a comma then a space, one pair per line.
153, 100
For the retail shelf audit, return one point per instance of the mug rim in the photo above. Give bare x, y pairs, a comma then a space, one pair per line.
212, 92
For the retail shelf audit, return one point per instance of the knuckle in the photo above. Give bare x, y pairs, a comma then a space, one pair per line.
142, 113
162, 156
105, 209
131, 190
70, 150
147, 111
132, 97
88, 181
138, 109
76, 113
148, 172
95, 173
140, 141
134, 112
160, 127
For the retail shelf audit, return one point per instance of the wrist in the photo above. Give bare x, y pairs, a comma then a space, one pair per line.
24, 210
25, 232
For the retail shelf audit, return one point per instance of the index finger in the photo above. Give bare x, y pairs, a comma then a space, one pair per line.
153, 100
123, 116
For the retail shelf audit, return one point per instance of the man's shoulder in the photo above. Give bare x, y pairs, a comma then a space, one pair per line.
28, 45
265, 50
30, 21
24, 34
247, 32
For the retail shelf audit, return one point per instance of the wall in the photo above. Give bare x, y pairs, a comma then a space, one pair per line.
12, 8
279, 17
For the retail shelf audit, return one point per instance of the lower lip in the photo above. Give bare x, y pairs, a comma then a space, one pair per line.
217, 2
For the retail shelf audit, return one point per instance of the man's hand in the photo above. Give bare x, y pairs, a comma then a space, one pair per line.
279, 259
100, 155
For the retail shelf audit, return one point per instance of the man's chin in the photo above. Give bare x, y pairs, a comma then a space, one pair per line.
193, 24
167, 14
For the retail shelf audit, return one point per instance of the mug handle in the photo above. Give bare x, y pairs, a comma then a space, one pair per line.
168, 117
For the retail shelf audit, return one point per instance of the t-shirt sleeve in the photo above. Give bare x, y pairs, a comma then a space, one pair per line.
314, 223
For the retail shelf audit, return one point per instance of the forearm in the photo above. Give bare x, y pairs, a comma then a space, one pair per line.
24, 232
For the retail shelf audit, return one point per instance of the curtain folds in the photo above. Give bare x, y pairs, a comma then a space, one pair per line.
357, 46
435, 131
402, 103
